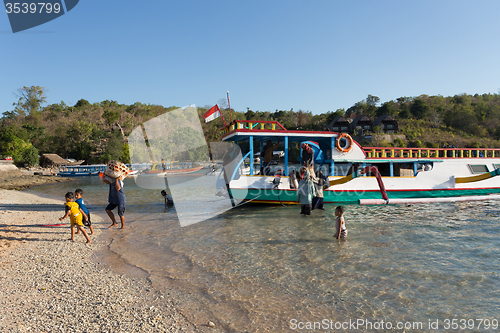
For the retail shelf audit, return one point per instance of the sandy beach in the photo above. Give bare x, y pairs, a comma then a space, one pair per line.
50, 284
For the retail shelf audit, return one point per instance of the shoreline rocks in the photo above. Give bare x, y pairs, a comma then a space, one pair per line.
11, 178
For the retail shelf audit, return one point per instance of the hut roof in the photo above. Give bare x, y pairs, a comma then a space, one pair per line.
387, 123
385, 117
54, 158
360, 119
339, 119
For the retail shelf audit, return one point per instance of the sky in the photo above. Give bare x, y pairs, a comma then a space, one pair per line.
315, 56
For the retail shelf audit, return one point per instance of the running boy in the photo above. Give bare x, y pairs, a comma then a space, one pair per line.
341, 231
116, 198
75, 214
79, 201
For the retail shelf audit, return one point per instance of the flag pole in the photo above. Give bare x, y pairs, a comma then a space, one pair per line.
222, 116
230, 114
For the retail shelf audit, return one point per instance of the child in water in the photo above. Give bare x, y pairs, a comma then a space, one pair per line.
169, 201
76, 215
341, 231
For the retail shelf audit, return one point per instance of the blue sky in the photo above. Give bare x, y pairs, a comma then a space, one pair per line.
311, 55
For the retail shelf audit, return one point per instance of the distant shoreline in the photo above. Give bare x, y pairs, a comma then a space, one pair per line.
11, 178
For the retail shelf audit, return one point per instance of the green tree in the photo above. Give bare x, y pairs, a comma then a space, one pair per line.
111, 116
387, 108
419, 109
113, 149
82, 103
30, 100
371, 106
30, 156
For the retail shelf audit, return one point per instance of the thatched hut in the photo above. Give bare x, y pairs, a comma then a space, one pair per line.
54, 160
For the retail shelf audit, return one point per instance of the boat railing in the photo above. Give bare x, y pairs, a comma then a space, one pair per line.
262, 125
390, 152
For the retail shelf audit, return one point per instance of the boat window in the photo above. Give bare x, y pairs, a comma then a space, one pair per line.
403, 170
341, 169
496, 166
478, 168
383, 168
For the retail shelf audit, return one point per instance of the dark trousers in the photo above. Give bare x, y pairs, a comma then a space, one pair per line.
317, 203
305, 209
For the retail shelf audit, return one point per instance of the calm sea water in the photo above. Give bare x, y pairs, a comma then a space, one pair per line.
258, 268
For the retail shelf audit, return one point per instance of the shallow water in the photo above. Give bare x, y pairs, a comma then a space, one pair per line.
255, 268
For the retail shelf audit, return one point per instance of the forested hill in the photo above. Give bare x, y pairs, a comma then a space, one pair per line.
97, 132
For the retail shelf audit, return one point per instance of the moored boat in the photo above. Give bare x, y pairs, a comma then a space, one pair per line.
170, 168
354, 172
81, 170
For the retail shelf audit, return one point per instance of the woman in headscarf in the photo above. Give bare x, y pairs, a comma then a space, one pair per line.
305, 193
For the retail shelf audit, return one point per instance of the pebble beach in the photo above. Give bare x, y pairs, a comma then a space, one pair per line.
51, 284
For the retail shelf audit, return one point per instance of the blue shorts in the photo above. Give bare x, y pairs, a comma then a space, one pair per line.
121, 209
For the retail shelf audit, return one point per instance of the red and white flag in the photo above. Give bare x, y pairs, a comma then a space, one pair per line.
211, 114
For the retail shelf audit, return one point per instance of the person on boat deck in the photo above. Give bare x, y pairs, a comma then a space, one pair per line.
169, 201
307, 155
319, 183
268, 156
341, 230
305, 193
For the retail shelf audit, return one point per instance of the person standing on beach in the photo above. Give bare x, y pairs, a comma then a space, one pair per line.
76, 215
116, 198
79, 201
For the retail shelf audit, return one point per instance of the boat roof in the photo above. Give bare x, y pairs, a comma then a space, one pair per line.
388, 160
264, 135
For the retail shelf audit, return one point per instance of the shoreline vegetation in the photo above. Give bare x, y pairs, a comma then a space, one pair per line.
98, 132
52, 284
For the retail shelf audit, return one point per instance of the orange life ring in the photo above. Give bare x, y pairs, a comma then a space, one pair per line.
349, 143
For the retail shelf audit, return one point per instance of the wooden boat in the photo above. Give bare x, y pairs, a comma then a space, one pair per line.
171, 168
81, 170
355, 173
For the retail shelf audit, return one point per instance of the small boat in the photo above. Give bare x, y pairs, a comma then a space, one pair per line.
354, 173
182, 171
170, 168
81, 170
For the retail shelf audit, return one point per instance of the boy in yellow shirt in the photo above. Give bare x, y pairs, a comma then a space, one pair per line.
75, 214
